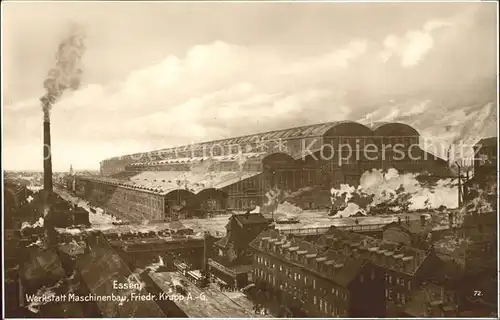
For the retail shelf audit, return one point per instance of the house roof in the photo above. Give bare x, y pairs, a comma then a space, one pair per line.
413, 227
215, 304
103, 266
428, 295
349, 267
446, 272
336, 237
222, 243
250, 218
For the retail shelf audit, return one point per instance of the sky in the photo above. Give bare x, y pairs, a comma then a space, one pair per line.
158, 75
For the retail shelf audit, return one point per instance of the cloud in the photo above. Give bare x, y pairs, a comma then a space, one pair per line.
220, 89
339, 58
412, 47
216, 90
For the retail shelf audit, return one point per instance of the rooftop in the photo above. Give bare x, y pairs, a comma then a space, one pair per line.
302, 132
164, 182
216, 304
222, 243
429, 295
195, 161
412, 227
333, 265
380, 252
250, 218
100, 268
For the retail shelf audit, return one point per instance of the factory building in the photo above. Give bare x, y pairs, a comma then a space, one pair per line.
235, 174
485, 159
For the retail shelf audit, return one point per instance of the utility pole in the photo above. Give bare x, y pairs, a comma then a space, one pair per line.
459, 184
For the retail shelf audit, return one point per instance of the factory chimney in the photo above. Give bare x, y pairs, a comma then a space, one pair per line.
422, 220
47, 155
207, 249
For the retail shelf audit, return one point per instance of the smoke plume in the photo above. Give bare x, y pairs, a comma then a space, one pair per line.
67, 73
274, 197
38, 223
390, 191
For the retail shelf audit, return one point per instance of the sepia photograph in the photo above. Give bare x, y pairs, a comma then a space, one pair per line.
250, 159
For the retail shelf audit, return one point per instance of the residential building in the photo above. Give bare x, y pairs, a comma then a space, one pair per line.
311, 282
232, 258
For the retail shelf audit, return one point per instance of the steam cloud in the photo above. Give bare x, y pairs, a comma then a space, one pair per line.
393, 192
37, 224
68, 71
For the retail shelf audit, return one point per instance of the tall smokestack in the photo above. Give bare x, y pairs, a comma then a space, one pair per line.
47, 154
208, 241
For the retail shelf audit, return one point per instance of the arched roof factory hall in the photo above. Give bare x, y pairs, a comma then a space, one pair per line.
240, 170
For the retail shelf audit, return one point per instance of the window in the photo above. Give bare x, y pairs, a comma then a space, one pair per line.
409, 285
314, 300
314, 283
402, 282
390, 279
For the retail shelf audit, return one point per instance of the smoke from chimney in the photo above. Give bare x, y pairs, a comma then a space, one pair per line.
66, 75
68, 72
